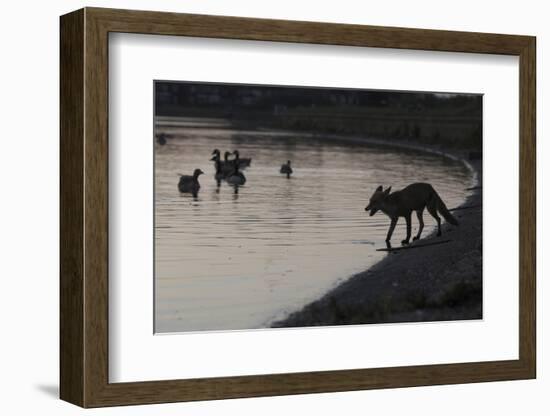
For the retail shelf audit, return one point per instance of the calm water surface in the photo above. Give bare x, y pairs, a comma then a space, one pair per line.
227, 260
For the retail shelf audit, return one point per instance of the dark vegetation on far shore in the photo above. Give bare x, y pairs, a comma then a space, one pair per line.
453, 121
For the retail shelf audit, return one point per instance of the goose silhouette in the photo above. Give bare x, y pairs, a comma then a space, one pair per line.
286, 169
236, 177
223, 168
244, 162
190, 183
161, 139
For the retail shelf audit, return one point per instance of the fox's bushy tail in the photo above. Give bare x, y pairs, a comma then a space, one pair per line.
442, 208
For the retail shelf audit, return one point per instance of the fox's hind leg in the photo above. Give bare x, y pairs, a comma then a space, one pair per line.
419, 215
432, 209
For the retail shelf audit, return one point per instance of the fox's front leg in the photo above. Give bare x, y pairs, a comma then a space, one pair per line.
390, 231
420, 224
407, 239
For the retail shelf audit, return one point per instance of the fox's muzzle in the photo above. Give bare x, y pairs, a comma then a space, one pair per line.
372, 210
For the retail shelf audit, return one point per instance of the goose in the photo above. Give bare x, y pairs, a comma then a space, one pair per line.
285, 168
236, 177
161, 139
244, 162
222, 168
231, 163
190, 184
216, 156
220, 173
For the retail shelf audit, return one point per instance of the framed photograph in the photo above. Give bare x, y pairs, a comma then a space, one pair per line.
256, 207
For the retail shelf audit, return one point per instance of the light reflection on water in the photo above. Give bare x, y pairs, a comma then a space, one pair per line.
238, 261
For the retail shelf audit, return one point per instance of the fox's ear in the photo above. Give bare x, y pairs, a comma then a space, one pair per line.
379, 189
387, 191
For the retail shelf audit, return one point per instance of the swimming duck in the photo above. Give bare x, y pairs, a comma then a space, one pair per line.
190, 184
286, 169
236, 177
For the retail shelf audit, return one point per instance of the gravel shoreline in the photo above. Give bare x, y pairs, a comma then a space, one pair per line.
436, 283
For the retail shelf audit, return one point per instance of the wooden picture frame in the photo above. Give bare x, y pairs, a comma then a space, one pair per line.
84, 207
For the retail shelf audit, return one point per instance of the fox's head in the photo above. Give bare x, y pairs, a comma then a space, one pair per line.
377, 199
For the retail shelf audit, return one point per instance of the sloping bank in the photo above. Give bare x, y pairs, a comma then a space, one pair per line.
439, 282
